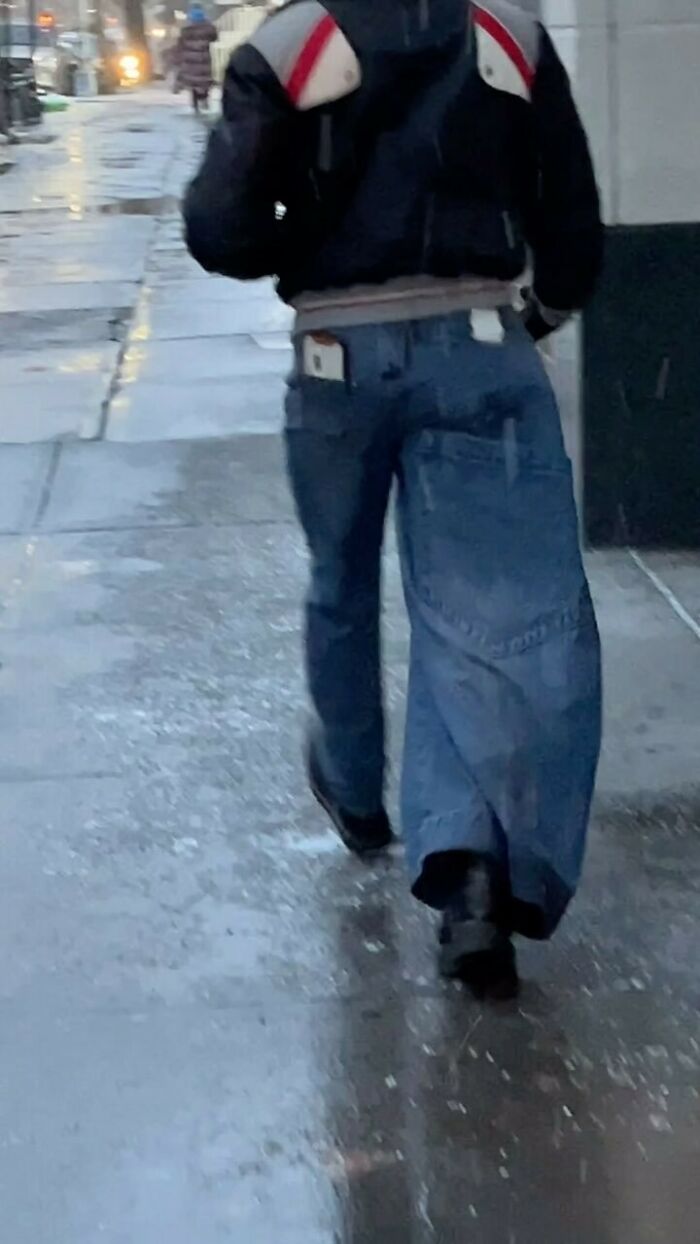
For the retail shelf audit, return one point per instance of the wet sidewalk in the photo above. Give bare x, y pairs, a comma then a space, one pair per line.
216, 1026
107, 328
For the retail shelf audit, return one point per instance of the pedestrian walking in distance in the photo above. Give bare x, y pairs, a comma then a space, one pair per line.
193, 57
424, 151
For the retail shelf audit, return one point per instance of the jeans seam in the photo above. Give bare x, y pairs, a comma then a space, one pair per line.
569, 618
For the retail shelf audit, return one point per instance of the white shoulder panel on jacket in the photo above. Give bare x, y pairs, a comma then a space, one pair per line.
308, 52
507, 46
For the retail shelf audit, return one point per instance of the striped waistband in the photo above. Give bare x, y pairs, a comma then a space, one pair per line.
415, 298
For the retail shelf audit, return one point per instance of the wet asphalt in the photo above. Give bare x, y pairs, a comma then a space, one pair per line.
214, 1024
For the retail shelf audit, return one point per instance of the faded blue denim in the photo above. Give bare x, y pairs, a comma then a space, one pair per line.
504, 698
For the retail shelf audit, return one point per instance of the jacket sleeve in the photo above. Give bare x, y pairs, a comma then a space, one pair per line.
230, 207
564, 230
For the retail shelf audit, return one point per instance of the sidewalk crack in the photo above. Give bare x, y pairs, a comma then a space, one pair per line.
48, 484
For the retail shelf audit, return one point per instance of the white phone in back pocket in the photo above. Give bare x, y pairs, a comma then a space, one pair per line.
323, 357
487, 327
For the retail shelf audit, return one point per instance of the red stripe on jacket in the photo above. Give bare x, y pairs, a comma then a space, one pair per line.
507, 41
308, 57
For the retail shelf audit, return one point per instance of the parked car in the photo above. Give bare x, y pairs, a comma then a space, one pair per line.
34, 46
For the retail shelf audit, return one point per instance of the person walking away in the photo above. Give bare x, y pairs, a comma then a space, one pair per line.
193, 56
421, 151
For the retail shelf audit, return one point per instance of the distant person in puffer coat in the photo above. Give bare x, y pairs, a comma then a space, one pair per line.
193, 57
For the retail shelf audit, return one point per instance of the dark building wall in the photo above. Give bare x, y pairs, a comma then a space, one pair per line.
640, 390
633, 417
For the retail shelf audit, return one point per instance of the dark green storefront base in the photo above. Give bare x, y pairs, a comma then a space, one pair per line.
641, 391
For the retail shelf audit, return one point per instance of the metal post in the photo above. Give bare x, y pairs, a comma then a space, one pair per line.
4, 84
31, 19
135, 23
85, 76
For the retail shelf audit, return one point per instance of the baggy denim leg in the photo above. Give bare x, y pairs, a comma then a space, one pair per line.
504, 706
340, 469
442, 808
507, 657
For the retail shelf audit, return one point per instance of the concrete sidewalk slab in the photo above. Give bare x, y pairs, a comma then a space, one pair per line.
49, 394
45, 733
13, 558
92, 265
209, 387
216, 360
88, 611
75, 233
163, 316
124, 853
171, 893
38, 331
172, 263
244, 406
341, 1127
234, 910
20, 299
23, 475
652, 687
104, 485
679, 573
214, 289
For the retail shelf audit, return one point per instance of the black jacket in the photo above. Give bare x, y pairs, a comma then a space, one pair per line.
372, 139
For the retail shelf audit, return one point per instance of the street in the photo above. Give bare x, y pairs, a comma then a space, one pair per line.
215, 1026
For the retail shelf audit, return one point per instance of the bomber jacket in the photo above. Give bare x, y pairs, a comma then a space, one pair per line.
367, 140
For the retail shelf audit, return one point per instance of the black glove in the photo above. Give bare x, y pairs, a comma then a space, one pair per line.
540, 321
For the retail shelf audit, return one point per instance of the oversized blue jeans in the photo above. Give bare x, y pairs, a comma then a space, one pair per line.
504, 701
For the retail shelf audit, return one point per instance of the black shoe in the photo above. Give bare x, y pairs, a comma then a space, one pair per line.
364, 835
490, 974
478, 953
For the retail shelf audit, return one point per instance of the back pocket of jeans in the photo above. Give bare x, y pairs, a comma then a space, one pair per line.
491, 539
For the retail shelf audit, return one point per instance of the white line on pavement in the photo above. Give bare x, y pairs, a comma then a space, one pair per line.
666, 592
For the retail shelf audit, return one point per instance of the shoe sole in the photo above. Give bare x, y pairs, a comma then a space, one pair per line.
352, 844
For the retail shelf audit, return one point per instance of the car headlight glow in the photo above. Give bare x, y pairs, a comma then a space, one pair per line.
130, 66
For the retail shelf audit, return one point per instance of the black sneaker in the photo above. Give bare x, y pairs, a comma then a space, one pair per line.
475, 950
490, 974
364, 835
